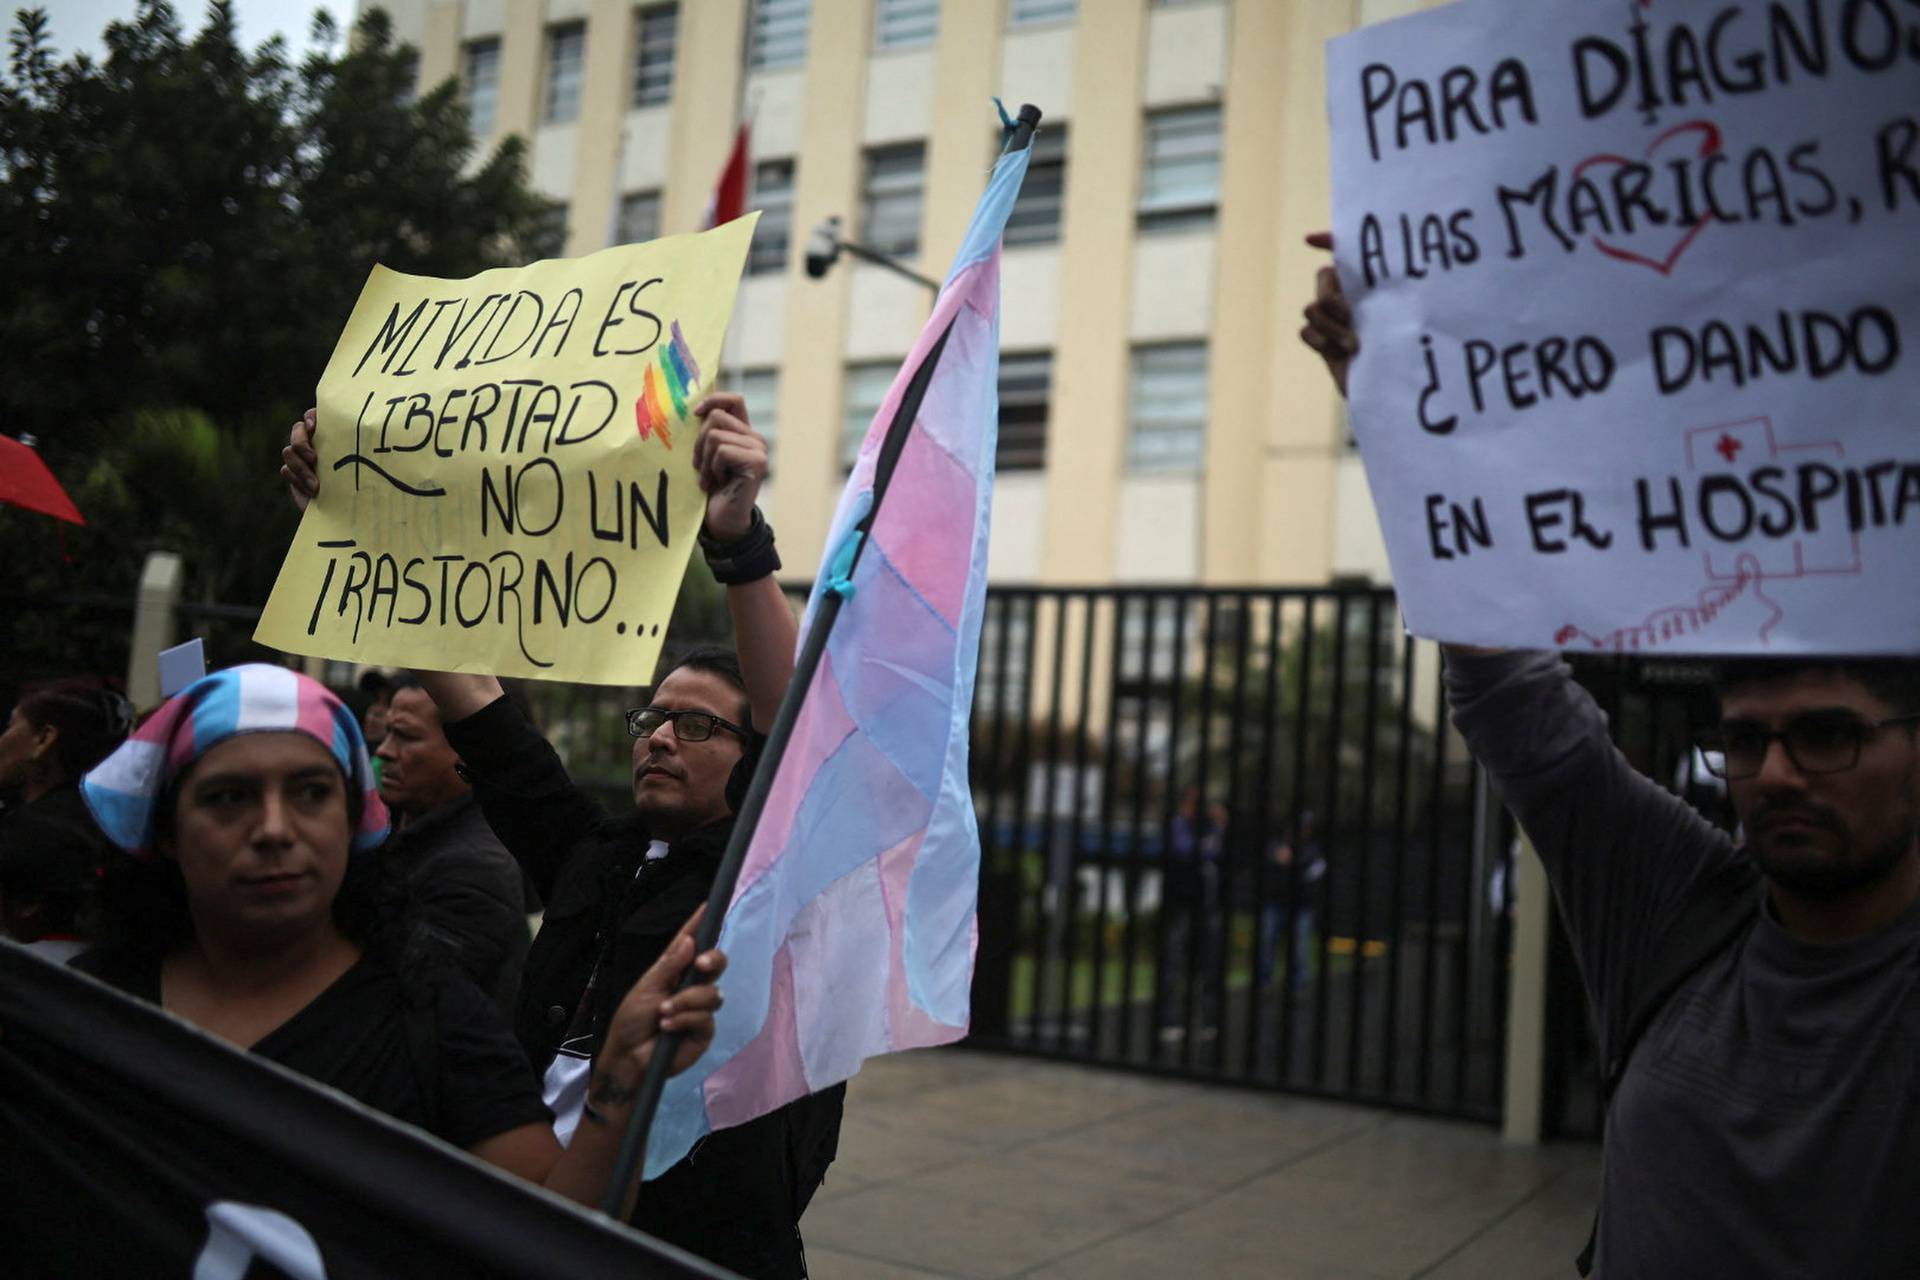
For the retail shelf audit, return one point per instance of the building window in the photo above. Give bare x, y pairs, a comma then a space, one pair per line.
1026, 385
1036, 211
1181, 182
1033, 13
409, 78
653, 61
866, 387
773, 197
1168, 416
639, 218
761, 387
550, 240
905, 24
566, 64
779, 34
890, 199
480, 81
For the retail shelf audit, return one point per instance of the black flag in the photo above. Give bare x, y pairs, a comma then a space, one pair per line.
134, 1145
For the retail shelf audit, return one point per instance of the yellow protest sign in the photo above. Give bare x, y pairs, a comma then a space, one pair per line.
507, 482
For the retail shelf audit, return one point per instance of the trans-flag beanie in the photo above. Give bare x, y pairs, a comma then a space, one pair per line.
124, 791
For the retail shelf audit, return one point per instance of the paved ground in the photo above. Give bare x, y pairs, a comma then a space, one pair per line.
968, 1164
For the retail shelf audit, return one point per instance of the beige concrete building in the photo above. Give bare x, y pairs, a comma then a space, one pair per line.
1160, 420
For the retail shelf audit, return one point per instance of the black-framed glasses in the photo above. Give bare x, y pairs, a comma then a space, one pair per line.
1821, 742
688, 726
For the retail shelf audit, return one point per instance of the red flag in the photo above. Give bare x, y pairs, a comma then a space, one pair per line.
730, 196
26, 482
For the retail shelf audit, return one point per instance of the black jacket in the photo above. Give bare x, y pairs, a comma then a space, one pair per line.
462, 895
736, 1199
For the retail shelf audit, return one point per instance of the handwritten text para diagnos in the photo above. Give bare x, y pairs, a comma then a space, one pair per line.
1736, 52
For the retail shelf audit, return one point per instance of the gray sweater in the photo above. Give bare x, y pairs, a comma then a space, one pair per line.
1766, 1121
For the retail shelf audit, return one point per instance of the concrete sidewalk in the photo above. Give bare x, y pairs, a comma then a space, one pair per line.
955, 1163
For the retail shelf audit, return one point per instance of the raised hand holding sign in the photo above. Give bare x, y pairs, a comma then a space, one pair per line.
510, 479
1637, 297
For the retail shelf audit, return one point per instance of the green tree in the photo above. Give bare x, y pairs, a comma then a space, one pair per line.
184, 228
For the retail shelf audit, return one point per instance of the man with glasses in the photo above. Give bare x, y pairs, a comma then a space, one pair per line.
1758, 995
618, 887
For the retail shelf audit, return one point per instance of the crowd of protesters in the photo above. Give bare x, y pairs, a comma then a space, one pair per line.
346, 892
235, 860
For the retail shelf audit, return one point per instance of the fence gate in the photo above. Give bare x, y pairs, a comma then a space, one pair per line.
1228, 834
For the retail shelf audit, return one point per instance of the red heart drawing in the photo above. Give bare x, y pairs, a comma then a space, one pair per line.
1709, 145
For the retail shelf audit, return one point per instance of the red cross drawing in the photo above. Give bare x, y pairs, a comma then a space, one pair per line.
1728, 447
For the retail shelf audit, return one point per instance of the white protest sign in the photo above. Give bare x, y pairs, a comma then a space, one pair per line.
1638, 288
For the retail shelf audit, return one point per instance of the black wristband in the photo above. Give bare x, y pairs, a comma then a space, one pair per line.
748, 558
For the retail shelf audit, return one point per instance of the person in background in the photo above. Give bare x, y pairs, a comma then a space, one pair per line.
461, 886
50, 848
47, 874
1196, 838
377, 686
55, 734
1301, 861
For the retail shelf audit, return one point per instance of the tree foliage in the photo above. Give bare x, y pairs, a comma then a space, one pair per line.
184, 227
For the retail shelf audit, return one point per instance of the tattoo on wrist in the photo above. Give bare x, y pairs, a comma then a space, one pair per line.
607, 1092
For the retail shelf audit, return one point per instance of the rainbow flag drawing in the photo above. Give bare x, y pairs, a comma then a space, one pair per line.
667, 389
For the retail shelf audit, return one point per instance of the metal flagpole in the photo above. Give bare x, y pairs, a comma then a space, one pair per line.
633, 1146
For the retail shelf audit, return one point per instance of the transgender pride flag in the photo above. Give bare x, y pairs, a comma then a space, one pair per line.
852, 929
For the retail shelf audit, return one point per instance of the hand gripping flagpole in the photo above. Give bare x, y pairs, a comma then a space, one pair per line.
834, 594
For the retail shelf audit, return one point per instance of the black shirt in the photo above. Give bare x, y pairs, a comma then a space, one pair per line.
428, 1050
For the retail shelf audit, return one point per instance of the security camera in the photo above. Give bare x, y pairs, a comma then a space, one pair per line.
823, 247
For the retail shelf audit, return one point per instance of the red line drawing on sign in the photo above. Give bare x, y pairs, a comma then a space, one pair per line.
1710, 145
1722, 597
1676, 622
1836, 556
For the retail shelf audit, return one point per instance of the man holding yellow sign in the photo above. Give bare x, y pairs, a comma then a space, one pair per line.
611, 882
514, 488
617, 885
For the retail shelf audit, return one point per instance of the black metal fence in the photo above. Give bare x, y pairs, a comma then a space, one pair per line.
1227, 834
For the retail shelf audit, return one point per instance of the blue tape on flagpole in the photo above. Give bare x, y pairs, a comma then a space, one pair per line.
840, 569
